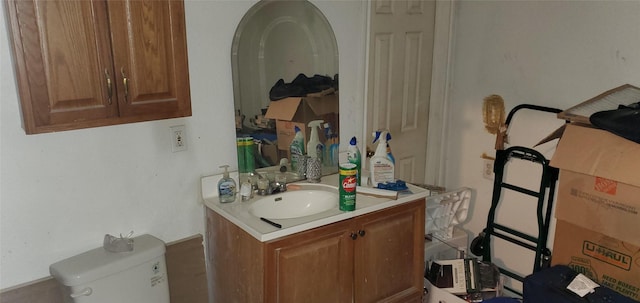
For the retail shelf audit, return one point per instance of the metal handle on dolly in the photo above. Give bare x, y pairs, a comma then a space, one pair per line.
533, 107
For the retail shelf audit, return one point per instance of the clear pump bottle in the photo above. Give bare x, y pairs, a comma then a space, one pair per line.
226, 187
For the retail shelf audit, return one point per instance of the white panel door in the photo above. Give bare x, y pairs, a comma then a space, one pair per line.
399, 80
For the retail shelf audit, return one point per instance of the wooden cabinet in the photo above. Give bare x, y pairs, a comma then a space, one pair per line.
390, 255
313, 266
377, 257
92, 63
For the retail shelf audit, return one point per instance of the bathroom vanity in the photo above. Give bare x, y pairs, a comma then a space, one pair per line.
372, 254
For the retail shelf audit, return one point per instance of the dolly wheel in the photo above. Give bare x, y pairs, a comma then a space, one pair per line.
546, 258
477, 245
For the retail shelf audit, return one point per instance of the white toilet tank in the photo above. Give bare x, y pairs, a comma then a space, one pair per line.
100, 276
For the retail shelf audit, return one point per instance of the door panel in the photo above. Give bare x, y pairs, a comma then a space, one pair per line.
63, 54
400, 63
314, 266
150, 57
388, 253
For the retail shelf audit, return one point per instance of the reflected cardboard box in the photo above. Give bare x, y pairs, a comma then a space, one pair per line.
299, 111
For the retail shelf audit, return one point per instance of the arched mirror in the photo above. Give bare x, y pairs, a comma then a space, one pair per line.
278, 47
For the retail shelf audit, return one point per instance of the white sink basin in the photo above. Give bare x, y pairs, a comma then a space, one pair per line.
306, 201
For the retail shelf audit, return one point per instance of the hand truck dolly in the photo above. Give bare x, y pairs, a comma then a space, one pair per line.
481, 245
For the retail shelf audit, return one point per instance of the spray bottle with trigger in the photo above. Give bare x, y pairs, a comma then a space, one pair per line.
389, 154
315, 148
381, 165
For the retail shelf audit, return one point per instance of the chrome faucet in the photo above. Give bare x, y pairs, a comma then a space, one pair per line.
266, 187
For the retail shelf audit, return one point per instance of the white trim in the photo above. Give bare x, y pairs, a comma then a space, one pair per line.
440, 87
365, 110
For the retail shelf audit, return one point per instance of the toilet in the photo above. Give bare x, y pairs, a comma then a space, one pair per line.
100, 276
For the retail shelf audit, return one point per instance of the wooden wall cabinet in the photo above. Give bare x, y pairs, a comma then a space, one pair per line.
92, 63
377, 257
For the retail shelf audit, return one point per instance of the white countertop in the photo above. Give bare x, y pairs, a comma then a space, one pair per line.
238, 211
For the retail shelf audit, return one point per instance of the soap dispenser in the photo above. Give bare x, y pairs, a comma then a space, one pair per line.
226, 187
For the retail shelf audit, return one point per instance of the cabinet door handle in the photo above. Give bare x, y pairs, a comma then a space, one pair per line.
361, 233
354, 236
109, 86
125, 82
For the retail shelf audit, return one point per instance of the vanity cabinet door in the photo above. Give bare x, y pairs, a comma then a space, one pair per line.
377, 257
312, 266
92, 63
389, 255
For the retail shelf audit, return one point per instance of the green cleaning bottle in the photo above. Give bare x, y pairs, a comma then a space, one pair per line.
353, 156
296, 148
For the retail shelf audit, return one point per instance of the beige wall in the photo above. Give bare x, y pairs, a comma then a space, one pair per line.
553, 53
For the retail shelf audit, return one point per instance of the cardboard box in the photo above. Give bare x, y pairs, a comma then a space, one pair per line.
605, 260
285, 130
271, 154
599, 183
299, 111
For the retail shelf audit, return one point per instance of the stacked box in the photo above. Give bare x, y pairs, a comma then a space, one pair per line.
598, 205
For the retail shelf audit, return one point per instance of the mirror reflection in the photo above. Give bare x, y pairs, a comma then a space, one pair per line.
285, 75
